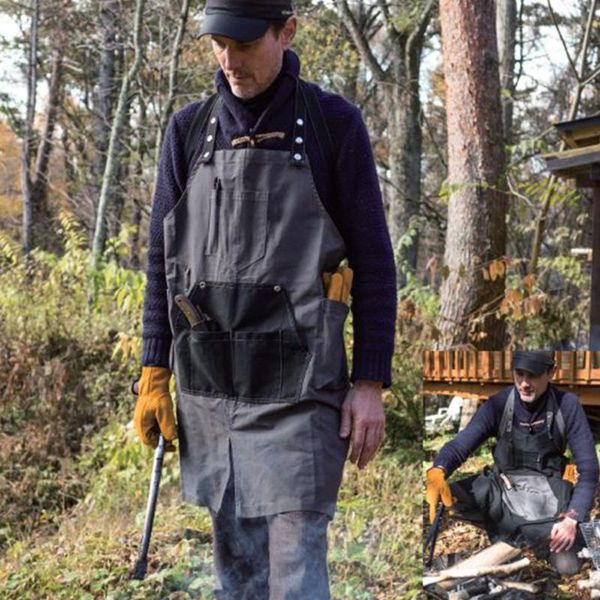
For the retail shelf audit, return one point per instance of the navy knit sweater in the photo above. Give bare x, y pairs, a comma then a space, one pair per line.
349, 189
486, 423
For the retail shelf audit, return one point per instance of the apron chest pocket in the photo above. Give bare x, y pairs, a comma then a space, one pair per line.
237, 226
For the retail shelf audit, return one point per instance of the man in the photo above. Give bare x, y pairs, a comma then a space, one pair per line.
245, 233
526, 498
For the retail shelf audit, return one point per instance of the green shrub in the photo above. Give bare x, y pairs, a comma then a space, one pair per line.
70, 342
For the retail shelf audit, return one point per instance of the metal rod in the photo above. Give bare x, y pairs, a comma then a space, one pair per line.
141, 565
432, 535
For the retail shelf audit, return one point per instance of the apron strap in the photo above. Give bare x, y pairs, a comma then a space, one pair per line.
198, 124
298, 150
549, 419
557, 417
506, 422
319, 124
210, 141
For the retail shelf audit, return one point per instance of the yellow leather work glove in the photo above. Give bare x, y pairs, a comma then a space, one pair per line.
437, 489
154, 408
570, 474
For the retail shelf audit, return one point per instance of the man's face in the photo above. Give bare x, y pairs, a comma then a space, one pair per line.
530, 386
251, 67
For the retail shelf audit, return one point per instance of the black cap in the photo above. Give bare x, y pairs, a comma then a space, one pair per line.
537, 362
243, 20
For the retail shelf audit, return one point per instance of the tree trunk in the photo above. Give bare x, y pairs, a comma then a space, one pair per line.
141, 188
104, 93
67, 160
406, 145
28, 128
476, 233
506, 27
42, 234
112, 158
400, 79
172, 91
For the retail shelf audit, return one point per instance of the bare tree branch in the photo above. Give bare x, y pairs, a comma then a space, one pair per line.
540, 224
388, 22
173, 81
418, 32
587, 36
360, 41
591, 77
562, 40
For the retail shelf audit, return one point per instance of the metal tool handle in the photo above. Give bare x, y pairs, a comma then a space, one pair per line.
432, 535
139, 570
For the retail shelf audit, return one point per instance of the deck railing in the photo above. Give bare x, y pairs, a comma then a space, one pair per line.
577, 367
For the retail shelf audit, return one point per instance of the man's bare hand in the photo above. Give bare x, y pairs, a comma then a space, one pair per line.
363, 416
563, 535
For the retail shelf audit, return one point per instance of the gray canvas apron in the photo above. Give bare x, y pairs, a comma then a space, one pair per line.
259, 392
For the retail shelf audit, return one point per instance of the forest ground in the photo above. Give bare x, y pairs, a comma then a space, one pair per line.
372, 539
74, 478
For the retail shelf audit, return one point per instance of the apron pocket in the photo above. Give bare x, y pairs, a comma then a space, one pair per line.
268, 366
237, 226
331, 367
530, 497
205, 363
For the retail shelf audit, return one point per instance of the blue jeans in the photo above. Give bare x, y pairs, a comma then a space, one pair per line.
277, 557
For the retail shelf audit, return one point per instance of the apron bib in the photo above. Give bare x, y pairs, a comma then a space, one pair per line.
260, 386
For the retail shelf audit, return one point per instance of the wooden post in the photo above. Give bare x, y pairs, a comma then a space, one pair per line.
595, 299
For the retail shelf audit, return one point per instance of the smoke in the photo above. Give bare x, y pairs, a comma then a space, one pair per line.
277, 557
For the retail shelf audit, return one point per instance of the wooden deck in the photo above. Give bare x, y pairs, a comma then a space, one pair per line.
481, 374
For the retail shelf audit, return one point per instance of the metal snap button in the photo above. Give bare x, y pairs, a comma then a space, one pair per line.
202, 284
300, 122
277, 288
299, 140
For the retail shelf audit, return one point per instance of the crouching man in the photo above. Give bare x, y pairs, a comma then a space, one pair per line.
530, 496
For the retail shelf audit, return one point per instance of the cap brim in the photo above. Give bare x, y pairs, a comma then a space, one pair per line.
534, 372
241, 29
532, 367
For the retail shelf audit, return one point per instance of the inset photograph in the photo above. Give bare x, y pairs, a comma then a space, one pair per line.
511, 473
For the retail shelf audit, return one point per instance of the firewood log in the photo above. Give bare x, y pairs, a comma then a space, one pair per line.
461, 572
496, 554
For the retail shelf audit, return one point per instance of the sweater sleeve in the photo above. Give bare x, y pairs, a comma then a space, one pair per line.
170, 185
359, 214
581, 441
482, 426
